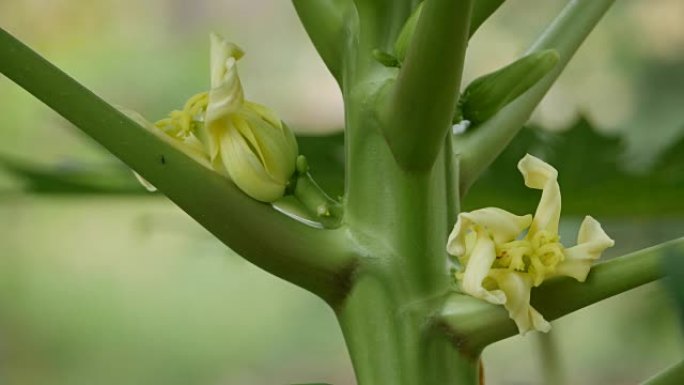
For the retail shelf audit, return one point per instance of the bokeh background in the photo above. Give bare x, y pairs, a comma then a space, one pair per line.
127, 289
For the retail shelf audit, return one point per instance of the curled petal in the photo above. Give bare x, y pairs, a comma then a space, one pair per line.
226, 95
540, 175
477, 269
517, 286
221, 52
591, 242
499, 224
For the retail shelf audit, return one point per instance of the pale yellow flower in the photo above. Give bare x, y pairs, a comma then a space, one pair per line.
256, 149
502, 255
240, 139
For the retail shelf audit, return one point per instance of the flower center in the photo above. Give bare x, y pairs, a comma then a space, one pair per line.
537, 255
181, 123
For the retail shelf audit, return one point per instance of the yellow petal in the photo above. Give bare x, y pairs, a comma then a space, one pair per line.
501, 226
591, 242
188, 147
477, 269
220, 51
540, 175
274, 148
517, 286
265, 112
246, 170
226, 95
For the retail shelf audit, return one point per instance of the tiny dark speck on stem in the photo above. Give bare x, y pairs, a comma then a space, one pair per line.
162, 160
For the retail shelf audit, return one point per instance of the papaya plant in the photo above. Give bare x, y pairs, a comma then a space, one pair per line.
419, 287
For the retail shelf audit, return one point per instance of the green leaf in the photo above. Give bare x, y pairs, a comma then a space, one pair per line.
674, 282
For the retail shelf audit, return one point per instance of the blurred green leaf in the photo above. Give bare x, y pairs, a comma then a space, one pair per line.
590, 166
674, 267
73, 178
591, 176
326, 160
316, 383
324, 153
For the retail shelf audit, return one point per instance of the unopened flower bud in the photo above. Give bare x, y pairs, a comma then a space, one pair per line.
487, 95
256, 149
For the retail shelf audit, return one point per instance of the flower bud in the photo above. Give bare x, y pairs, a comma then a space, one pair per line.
487, 95
248, 140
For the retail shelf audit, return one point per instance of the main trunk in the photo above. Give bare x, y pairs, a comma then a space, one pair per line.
402, 218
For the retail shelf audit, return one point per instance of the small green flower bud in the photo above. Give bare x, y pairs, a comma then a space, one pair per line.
406, 34
487, 95
386, 59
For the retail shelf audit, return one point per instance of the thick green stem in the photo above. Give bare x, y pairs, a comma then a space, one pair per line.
567, 32
390, 342
381, 20
420, 104
474, 323
318, 260
482, 9
325, 23
399, 218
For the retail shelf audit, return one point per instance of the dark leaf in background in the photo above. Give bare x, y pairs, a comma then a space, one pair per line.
590, 172
590, 164
72, 178
325, 155
674, 268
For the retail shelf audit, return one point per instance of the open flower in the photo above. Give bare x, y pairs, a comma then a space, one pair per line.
502, 255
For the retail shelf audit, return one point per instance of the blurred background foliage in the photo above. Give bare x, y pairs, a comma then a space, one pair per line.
122, 287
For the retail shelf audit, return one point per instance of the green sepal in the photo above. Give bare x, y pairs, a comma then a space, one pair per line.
488, 94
